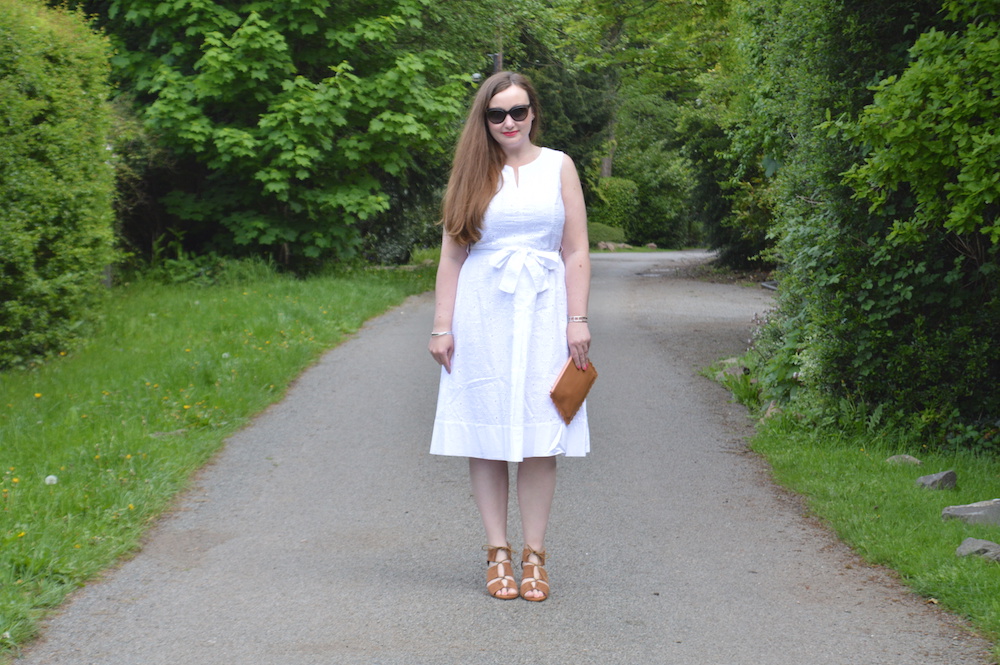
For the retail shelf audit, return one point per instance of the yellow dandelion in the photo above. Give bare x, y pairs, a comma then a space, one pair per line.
38, 395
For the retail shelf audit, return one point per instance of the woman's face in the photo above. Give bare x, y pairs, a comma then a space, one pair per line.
511, 134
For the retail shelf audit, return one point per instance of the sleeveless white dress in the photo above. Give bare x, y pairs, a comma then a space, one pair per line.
510, 329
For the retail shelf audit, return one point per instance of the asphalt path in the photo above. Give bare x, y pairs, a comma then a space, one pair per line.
324, 533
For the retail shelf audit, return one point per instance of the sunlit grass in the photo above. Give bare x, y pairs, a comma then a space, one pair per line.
95, 444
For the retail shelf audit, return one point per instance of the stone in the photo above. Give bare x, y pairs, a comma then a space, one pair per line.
904, 459
946, 480
983, 512
984, 548
772, 410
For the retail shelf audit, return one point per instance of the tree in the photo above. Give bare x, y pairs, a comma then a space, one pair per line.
284, 120
653, 53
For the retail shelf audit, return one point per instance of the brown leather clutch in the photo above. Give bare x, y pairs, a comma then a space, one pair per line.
571, 388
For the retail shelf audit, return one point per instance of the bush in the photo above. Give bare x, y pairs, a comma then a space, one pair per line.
617, 202
648, 153
598, 232
890, 302
56, 187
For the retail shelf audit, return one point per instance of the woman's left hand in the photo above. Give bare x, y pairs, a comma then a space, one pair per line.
578, 339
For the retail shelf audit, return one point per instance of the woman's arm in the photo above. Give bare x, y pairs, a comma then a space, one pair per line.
576, 256
453, 256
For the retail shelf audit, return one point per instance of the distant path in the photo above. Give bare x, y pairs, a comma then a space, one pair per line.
325, 534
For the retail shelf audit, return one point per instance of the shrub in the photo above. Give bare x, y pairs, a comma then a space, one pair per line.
598, 232
56, 187
889, 296
618, 202
648, 153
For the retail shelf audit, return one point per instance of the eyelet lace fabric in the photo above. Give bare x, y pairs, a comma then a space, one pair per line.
510, 329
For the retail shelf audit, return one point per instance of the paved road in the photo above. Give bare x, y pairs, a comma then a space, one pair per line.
325, 533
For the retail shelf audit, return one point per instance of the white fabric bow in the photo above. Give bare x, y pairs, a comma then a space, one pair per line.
512, 260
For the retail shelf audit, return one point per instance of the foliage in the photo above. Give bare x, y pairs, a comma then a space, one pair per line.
871, 310
934, 132
617, 202
284, 120
598, 233
738, 236
647, 153
653, 53
142, 165
576, 105
122, 422
55, 183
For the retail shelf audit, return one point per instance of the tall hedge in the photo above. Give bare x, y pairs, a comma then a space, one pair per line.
56, 183
889, 289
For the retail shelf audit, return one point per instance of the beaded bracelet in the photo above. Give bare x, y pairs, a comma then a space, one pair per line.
578, 319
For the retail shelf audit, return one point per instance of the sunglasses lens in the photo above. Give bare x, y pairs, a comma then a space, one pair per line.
497, 116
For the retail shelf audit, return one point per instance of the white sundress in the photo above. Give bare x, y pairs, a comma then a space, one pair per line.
510, 329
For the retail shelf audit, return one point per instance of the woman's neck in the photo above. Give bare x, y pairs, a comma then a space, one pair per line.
521, 156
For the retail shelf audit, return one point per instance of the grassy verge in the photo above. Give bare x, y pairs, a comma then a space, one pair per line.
838, 463
93, 446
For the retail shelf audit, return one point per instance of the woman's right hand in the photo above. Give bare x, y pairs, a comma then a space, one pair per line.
442, 348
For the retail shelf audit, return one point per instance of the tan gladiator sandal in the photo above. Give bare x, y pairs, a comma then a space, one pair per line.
534, 577
500, 575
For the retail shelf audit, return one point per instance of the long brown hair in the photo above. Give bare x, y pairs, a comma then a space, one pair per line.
479, 161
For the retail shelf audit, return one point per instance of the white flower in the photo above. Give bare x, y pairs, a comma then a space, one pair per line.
51, 480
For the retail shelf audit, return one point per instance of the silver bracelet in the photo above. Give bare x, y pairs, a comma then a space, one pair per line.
439, 334
577, 319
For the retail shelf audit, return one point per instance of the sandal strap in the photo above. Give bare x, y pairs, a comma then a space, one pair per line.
528, 551
534, 578
500, 574
492, 550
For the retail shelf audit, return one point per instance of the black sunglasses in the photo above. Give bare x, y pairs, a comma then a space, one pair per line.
517, 113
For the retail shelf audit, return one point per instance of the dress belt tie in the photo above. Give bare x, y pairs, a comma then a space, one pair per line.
514, 260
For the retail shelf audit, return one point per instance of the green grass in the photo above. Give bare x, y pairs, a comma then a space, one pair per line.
878, 509
120, 424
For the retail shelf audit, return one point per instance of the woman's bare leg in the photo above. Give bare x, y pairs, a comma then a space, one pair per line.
491, 487
536, 485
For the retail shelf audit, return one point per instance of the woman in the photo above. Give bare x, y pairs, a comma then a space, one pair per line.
511, 303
